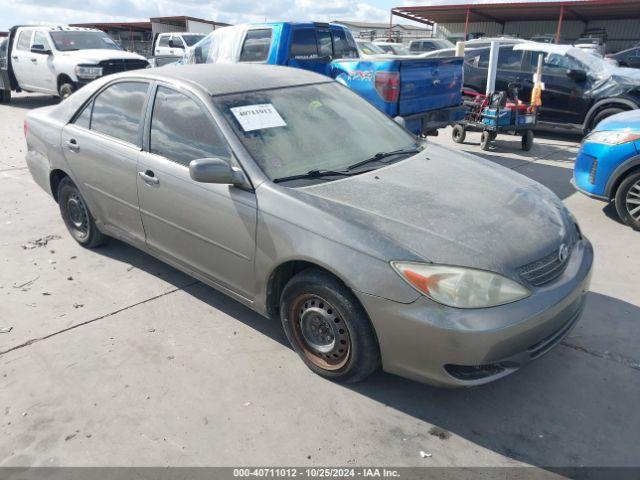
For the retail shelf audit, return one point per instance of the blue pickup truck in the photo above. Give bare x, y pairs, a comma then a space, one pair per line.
425, 92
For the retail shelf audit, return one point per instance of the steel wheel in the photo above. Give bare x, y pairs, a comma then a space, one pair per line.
76, 215
320, 332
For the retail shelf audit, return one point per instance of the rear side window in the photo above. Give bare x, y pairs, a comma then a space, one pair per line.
24, 40
325, 44
304, 45
117, 110
177, 41
256, 46
163, 41
344, 46
181, 130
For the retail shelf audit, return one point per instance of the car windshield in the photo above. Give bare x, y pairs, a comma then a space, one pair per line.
292, 131
82, 40
443, 43
191, 40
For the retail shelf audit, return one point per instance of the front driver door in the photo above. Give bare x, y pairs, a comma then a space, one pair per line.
102, 146
208, 228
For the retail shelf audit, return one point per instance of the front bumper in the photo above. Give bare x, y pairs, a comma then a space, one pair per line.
430, 121
445, 346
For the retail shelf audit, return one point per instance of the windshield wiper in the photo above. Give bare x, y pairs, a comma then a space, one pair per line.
380, 155
314, 174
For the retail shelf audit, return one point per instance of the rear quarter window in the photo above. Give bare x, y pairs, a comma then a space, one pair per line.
163, 41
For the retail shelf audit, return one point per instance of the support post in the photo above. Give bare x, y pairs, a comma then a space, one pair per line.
493, 68
390, 24
466, 24
559, 30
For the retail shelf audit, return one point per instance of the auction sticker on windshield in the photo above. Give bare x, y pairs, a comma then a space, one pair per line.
258, 117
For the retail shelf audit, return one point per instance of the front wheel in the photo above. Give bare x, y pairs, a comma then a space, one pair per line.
328, 328
76, 215
628, 201
527, 140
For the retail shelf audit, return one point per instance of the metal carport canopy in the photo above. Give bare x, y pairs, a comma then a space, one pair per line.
583, 10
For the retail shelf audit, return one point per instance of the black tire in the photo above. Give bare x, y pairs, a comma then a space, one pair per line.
602, 114
314, 298
66, 89
627, 195
458, 133
77, 217
527, 140
493, 136
5, 96
485, 140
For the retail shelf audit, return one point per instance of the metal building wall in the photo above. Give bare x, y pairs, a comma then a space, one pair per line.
199, 27
164, 28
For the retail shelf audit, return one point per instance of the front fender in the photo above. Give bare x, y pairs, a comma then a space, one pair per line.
606, 103
619, 173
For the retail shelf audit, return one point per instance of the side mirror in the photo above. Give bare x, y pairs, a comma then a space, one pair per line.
39, 48
197, 55
577, 75
216, 170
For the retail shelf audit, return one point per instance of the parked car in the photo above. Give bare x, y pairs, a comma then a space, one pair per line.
367, 48
425, 93
580, 89
608, 165
627, 58
59, 60
393, 48
335, 219
175, 43
424, 45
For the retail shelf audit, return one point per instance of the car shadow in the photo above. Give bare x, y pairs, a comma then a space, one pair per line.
29, 102
574, 407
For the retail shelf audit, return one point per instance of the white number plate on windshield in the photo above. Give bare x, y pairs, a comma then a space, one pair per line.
258, 117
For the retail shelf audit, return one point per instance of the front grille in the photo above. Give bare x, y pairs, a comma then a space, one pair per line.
592, 172
546, 269
122, 65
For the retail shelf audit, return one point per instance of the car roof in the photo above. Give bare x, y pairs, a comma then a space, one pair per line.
226, 78
60, 28
544, 47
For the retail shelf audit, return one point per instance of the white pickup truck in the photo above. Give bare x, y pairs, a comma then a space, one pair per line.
175, 43
59, 60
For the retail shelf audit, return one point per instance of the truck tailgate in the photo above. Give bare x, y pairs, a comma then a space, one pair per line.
429, 84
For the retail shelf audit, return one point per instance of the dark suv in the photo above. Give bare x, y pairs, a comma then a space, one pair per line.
580, 89
628, 58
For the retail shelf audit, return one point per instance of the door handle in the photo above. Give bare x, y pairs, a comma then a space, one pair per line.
15, 57
34, 60
149, 177
72, 145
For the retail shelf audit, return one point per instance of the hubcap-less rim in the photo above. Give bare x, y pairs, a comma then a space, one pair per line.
633, 201
320, 332
77, 214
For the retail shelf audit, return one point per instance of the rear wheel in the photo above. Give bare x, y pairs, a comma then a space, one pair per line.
527, 140
66, 89
601, 115
328, 328
458, 133
76, 215
485, 140
628, 201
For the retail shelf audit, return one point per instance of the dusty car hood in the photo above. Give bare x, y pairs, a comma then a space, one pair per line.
100, 54
452, 208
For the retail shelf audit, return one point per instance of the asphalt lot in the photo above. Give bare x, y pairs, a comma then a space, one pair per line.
117, 359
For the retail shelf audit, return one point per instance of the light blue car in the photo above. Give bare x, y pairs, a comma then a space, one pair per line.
608, 165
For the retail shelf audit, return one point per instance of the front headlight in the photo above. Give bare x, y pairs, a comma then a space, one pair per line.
460, 287
611, 137
87, 71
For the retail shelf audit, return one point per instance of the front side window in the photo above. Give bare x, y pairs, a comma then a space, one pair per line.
117, 110
192, 39
509, 59
290, 131
41, 39
71, 40
24, 40
303, 44
181, 130
554, 63
256, 46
